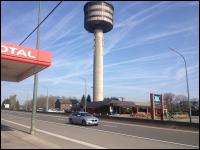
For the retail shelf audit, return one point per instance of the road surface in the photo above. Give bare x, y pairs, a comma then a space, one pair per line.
108, 134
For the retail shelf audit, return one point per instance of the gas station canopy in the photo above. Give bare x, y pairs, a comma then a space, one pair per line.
19, 62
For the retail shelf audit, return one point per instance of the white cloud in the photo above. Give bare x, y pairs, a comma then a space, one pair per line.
60, 26
181, 73
139, 15
169, 33
141, 59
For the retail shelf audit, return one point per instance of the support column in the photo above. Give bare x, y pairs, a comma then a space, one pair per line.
152, 106
98, 66
137, 109
161, 107
147, 110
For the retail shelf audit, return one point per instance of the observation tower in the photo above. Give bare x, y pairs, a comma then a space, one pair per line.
98, 19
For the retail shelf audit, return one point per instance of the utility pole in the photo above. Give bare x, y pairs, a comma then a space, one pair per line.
85, 95
92, 95
85, 103
47, 103
27, 102
35, 82
186, 81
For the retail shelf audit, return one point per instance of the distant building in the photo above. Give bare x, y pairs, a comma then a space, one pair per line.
7, 106
110, 107
65, 105
144, 108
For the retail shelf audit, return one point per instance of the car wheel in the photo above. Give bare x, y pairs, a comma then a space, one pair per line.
84, 123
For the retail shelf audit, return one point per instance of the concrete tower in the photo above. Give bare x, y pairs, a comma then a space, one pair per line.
98, 20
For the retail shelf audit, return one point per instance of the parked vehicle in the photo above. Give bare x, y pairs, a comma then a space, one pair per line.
83, 118
41, 110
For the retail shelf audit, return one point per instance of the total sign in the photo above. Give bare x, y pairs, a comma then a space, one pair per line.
25, 54
17, 51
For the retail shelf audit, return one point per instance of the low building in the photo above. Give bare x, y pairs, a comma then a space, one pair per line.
122, 107
6, 106
110, 107
64, 105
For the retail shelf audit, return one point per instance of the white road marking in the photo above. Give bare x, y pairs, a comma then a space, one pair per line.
60, 119
38, 114
60, 136
109, 126
149, 127
120, 134
124, 134
126, 124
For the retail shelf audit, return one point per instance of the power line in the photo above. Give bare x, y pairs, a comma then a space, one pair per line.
41, 22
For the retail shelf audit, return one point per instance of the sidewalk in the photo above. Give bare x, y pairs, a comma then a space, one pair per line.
15, 139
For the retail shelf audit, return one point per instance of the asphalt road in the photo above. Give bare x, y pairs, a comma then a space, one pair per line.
109, 134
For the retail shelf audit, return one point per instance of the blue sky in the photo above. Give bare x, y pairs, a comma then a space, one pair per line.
137, 60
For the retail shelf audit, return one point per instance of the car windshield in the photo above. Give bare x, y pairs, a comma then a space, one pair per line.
86, 114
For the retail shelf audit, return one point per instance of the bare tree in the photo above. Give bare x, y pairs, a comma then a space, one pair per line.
41, 101
168, 100
27, 105
183, 103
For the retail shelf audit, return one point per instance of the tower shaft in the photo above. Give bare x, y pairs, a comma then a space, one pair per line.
98, 66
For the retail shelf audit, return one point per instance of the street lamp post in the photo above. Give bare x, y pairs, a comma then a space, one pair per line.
47, 103
186, 81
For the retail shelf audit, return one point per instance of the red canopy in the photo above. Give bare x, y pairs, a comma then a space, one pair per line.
19, 62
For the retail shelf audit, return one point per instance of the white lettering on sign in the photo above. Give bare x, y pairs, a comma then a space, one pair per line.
15, 51
4, 49
29, 54
21, 52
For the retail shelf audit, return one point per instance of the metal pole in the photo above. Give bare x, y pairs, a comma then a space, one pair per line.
186, 82
85, 103
47, 100
27, 103
85, 95
92, 95
35, 83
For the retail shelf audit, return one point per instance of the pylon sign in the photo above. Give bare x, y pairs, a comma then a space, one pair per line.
157, 98
156, 103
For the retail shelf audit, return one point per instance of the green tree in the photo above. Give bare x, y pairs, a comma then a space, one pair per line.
83, 101
17, 105
89, 99
12, 99
28, 105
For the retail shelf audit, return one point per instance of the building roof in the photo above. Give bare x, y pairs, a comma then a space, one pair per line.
65, 101
110, 102
142, 103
